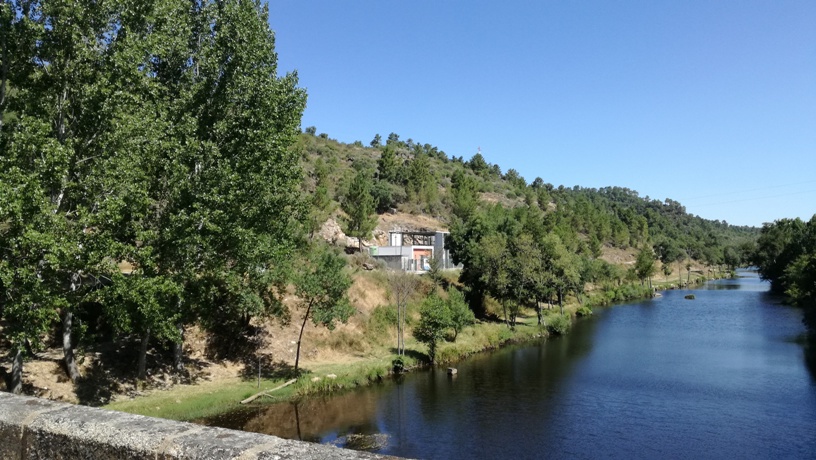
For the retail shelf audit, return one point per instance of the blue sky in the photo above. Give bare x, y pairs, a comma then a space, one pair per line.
710, 103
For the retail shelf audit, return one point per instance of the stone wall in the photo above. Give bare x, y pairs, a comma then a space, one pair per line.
32, 428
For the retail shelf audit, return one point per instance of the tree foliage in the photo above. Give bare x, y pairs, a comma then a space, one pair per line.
786, 256
322, 285
154, 137
359, 207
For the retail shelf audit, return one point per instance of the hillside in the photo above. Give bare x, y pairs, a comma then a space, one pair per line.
418, 180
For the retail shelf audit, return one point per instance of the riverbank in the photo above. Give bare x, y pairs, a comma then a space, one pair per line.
210, 398
658, 371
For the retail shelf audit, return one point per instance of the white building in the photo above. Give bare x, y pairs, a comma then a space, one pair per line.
412, 251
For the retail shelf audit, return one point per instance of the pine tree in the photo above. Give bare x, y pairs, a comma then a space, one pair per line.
359, 207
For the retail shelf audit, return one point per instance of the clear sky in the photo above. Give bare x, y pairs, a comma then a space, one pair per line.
710, 103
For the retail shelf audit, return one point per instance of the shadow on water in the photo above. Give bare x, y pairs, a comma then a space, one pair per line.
810, 345
662, 378
810, 355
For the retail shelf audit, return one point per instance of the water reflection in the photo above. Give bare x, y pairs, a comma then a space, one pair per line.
308, 420
717, 377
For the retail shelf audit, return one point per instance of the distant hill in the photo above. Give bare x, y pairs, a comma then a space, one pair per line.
418, 179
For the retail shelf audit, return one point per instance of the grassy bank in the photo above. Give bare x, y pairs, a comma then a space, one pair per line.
206, 399
190, 402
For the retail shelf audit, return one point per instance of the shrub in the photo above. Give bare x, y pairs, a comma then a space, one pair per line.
583, 311
559, 324
381, 320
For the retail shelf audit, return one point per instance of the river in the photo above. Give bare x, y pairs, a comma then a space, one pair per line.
720, 376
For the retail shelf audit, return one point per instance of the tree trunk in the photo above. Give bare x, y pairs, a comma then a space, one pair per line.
538, 311
178, 350
17, 372
3, 70
142, 367
67, 346
401, 328
399, 316
560, 300
300, 337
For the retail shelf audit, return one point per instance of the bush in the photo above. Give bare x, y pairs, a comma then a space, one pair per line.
382, 319
559, 324
583, 311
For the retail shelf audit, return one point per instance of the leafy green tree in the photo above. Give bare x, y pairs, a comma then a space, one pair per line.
778, 246
377, 141
732, 257
563, 266
48, 151
322, 287
460, 315
359, 206
434, 321
137, 119
645, 264
143, 305
496, 276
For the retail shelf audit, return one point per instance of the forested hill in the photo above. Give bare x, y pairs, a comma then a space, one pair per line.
421, 179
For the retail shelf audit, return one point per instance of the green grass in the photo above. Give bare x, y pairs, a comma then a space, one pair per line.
198, 401
212, 398
209, 399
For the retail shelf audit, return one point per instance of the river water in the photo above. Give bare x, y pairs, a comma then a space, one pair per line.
721, 376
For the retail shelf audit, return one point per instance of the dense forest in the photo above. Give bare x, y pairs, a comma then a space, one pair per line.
786, 256
154, 175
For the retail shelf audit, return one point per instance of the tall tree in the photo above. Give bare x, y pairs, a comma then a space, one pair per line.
321, 204
359, 207
129, 128
387, 166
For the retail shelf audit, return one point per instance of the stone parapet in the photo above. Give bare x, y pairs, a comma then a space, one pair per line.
33, 428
